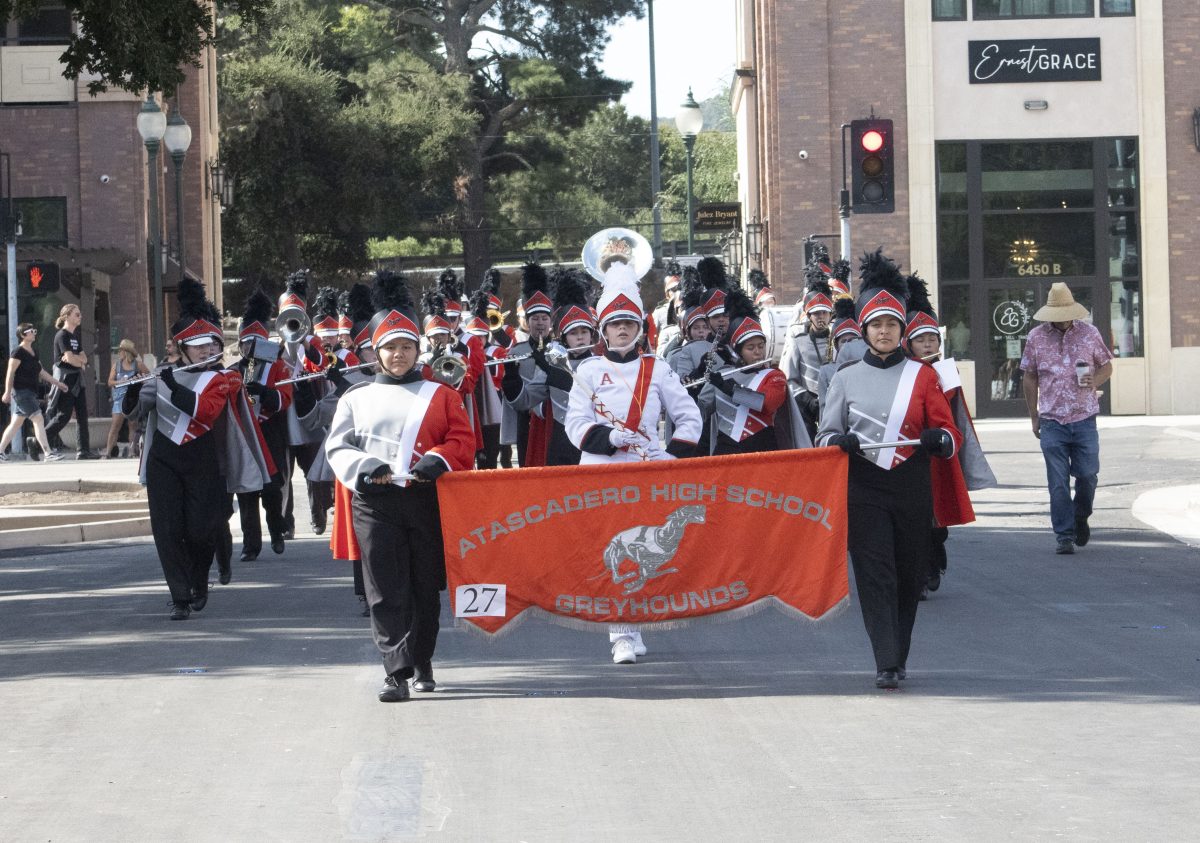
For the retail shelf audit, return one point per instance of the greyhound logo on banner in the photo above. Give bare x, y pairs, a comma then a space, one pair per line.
649, 548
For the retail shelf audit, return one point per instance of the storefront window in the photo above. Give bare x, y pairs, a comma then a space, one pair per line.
1039, 245
954, 311
1116, 8
952, 176
949, 9
1125, 314
1056, 174
993, 9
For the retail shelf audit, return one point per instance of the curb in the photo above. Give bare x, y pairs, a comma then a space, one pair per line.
74, 485
74, 533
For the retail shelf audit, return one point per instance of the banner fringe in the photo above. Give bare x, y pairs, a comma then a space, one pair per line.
760, 605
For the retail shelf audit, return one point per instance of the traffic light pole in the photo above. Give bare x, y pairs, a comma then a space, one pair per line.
844, 201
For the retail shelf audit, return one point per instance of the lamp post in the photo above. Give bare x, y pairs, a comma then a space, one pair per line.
178, 138
689, 120
152, 125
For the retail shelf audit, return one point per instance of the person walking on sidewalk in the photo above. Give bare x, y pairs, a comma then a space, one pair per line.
126, 364
69, 362
20, 390
1065, 361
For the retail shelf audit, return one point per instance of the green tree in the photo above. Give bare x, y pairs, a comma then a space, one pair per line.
137, 46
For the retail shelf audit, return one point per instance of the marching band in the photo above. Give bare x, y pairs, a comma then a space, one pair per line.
375, 400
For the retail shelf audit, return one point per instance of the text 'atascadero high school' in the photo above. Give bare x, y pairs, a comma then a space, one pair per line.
1035, 141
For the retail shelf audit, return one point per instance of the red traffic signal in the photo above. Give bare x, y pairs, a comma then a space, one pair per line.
43, 276
873, 155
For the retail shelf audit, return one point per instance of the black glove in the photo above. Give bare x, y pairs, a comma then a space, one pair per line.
559, 378
303, 398
697, 372
255, 389
719, 381
429, 468
848, 442
167, 376
181, 396
511, 382
366, 487
937, 442
130, 401
538, 355
334, 375
810, 406
501, 338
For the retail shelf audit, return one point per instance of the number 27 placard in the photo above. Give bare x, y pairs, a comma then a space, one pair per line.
481, 600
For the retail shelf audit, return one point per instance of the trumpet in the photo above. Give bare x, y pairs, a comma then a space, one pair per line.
764, 362
496, 319
153, 375
448, 369
314, 375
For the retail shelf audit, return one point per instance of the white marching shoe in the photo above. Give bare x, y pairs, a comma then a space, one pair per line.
639, 646
623, 651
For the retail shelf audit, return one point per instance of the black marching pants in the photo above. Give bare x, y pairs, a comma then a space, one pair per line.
404, 568
187, 499
74, 399
272, 501
889, 517
320, 493
493, 452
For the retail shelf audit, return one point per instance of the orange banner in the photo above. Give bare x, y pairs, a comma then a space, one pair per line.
650, 542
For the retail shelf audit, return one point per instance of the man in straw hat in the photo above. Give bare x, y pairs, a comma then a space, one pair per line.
1065, 361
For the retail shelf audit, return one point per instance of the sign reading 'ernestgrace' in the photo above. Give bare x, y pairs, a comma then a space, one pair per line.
1026, 60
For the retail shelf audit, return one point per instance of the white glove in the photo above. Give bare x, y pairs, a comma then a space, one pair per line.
620, 438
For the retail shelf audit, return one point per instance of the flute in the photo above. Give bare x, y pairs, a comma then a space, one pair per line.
153, 375
746, 368
314, 375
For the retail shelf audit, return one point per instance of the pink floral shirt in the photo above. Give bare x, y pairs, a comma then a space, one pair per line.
1052, 354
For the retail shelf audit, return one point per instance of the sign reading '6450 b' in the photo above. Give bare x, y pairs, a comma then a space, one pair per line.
1027, 60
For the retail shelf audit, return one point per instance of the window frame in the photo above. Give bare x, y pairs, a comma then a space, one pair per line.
962, 15
1131, 13
61, 201
1091, 13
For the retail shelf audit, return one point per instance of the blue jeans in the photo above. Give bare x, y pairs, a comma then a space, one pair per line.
1070, 450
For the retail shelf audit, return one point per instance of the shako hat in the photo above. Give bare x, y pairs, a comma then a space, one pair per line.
360, 310
295, 293
883, 290
325, 325
535, 293
691, 301
256, 317
818, 295
345, 323
199, 322
395, 315
921, 317
571, 308
451, 289
716, 285
844, 324
743, 318
761, 286
435, 321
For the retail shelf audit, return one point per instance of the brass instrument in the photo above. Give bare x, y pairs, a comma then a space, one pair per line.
496, 319
448, 369
314, 375
292, 324
766, 361
153, 375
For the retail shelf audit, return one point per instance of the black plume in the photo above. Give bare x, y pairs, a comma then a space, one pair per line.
843, 308
258, 307
815, 277
479, 300
449, 286
712, 273
297, 283
343, 303
326, 303
841, 271
877, 271
673, 268
193, 303
758, 279
691, 288
390, 292
491, 281
433, 303
360, 308
533, 279
739, 305
570, 289
918, 295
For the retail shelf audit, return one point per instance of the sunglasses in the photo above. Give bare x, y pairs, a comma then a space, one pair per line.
28, 331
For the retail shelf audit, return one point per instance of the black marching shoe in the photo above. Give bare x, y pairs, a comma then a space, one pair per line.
394, 690
901, 673
366, 609
199, 601
277, 545
1065, 547
248, 556
180, 610
423, 680
318, 524
887, 679
288, 535
1083, 533
224, 573
935, 581
87, 454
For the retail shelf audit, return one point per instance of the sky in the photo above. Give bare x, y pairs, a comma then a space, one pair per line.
705, 28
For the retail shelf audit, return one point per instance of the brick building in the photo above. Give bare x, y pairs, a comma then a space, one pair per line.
80, 183
1036, 141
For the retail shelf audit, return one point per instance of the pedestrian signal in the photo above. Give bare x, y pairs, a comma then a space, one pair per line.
43, 277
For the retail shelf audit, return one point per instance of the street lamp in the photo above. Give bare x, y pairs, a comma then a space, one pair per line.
152, 125
689, 120
177, 139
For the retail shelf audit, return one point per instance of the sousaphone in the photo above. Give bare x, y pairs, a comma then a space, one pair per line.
617, 244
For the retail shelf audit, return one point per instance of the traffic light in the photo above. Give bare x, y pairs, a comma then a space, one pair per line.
43, 277
873, 166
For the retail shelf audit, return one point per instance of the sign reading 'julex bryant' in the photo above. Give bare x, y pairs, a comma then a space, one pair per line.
718, 218
1030, 60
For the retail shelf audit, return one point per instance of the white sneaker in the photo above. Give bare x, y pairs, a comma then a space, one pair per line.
623, 652
52, 457
639, 646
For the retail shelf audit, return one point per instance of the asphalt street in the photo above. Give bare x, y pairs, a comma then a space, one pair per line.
1049, 697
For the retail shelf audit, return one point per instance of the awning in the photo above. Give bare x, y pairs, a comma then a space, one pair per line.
107, 260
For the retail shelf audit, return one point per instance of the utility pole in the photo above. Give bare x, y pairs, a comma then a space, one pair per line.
844, 201
655, 173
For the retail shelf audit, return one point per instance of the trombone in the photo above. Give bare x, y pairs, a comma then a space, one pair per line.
766, 361
153, 375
